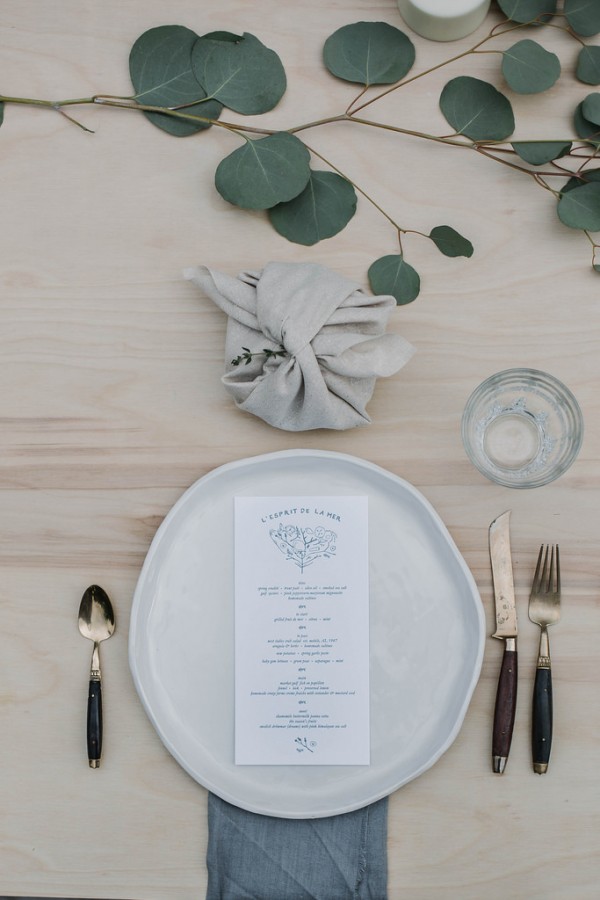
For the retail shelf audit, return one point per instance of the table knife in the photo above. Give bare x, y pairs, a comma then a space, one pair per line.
506, 630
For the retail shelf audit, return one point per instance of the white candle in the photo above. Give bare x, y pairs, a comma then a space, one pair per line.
443, 20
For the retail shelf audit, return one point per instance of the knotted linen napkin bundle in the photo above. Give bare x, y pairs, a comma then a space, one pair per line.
332, 335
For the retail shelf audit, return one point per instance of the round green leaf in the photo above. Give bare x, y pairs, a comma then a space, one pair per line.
323, 209
264, 172
450, 242
590, 108
587, 131
580, 207
596, 267
160, 65
529, 68
243, 75
161, 73
583, 16
392, 275
523, 11
369, 53
585, 177
538, 153
588, 65
476, 109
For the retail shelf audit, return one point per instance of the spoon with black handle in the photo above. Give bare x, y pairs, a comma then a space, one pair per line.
97, 623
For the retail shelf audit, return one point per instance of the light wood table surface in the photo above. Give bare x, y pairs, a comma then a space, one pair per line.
111, 406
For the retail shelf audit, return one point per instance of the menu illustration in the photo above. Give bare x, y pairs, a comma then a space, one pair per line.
301, 631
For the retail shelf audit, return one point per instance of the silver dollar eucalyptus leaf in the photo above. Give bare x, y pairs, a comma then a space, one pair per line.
243, 75
392, 275
369, 53
161, 72
476, 109
264, 172
323, 209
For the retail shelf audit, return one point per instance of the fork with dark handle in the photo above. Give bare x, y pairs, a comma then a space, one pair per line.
544, 610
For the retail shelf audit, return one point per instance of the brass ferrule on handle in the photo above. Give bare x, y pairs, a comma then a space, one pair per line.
95, 672
544, 650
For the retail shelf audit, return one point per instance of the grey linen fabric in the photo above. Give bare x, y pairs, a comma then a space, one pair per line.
254, 857
333, 334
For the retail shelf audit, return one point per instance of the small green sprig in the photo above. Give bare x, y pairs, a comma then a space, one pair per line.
247, 356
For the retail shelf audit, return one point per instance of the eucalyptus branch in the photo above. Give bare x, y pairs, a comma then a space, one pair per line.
422, 74
447, 62
130, 104
271, 171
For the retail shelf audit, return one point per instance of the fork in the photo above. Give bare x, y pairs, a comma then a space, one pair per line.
544, 610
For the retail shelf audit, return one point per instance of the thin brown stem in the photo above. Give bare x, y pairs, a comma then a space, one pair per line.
328, 120
175, 114
356, 99
503, 162
355, 186
73, 120
116, 102
456, 142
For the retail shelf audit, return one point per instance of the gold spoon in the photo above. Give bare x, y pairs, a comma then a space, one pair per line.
97, 623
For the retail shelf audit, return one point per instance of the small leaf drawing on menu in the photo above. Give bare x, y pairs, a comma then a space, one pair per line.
304, 545
302, 744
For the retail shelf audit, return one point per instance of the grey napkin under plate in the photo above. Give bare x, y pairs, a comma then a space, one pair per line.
333, 335
255, 857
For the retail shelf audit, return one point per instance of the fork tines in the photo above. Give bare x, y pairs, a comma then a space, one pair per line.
544, 577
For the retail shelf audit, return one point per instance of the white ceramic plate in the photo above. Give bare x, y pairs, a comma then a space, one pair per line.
427, 635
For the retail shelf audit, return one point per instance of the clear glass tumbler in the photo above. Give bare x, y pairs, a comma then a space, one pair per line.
522, 428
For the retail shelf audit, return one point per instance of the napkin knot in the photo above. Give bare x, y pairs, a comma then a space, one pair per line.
294, 343
288, 335
317, 343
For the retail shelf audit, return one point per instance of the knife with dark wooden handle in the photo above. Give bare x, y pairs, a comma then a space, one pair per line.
506, 630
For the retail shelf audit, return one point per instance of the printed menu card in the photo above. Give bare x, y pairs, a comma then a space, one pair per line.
301, 631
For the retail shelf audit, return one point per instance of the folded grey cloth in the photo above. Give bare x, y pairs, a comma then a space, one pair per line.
333, 338
253, 857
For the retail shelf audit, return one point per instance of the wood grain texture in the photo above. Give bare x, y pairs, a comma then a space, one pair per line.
111, 406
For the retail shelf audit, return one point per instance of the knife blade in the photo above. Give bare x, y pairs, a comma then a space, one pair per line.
506, 630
